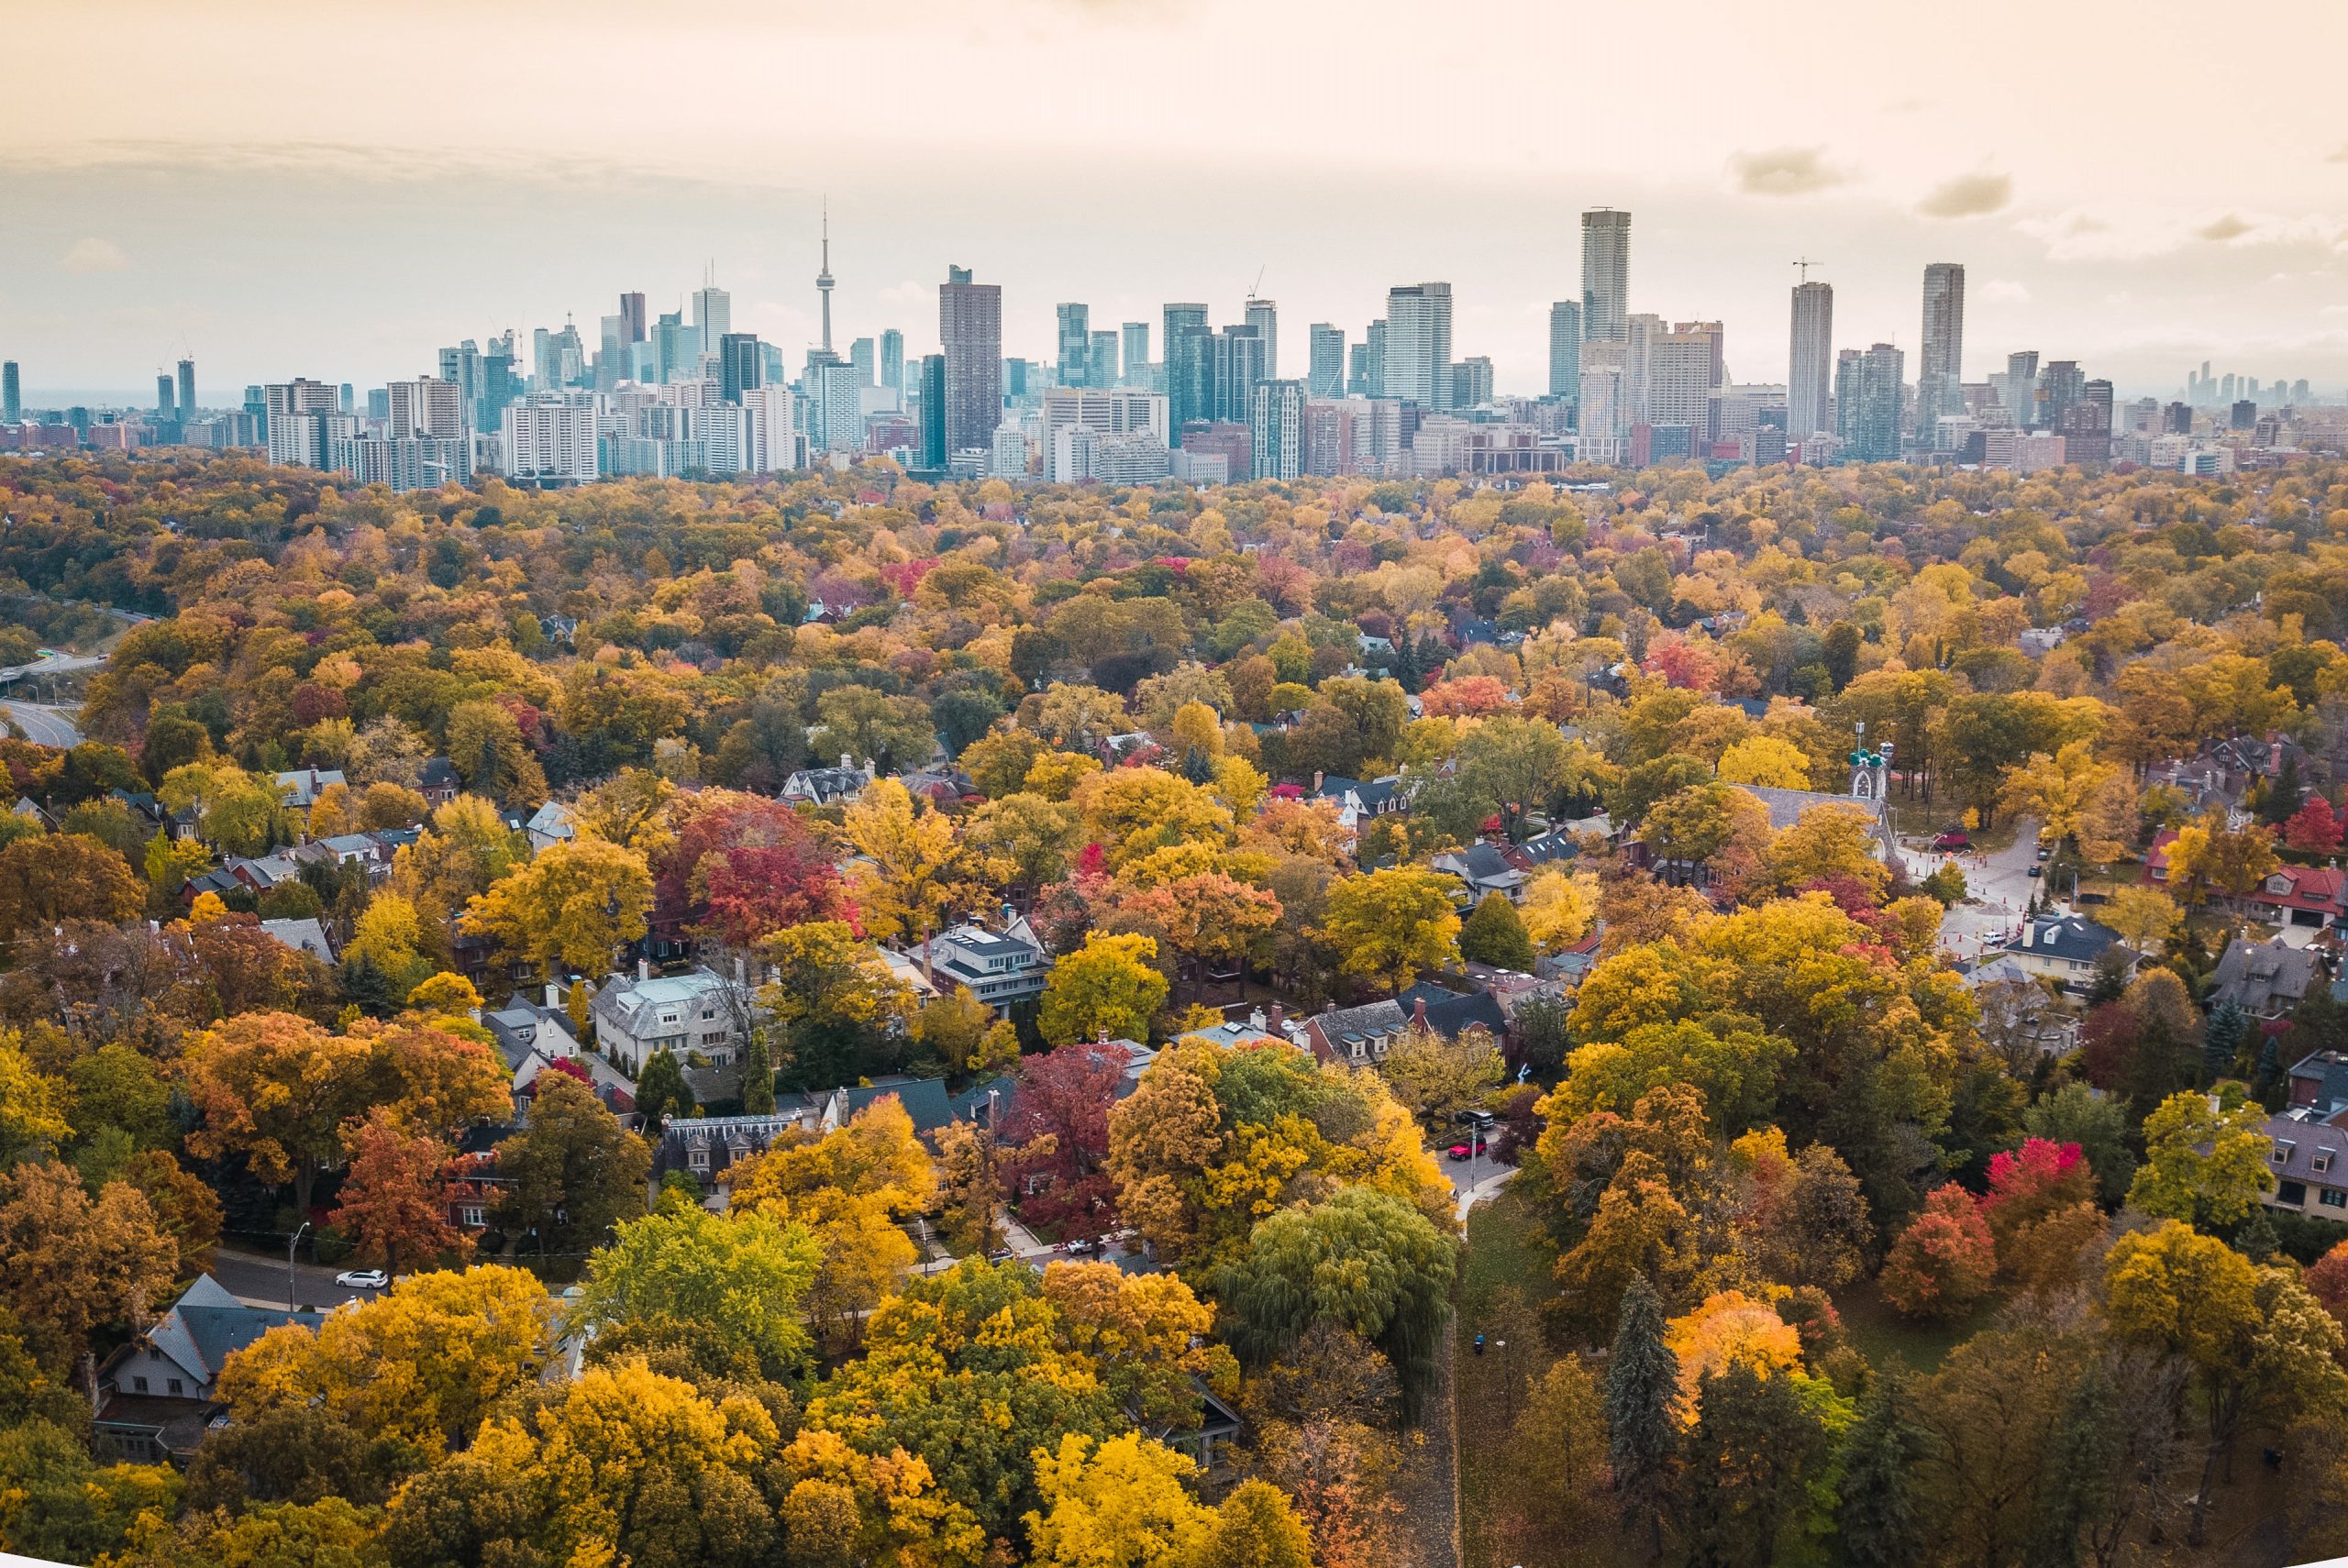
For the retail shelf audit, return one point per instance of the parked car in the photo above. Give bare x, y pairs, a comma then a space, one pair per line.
2045, 851
1081, 1246
1952, 838
362, 1279
1459, 1151
2038, 871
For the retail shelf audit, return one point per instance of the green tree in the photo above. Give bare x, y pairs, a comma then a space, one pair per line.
660, 1090
1754, 1448
1642, 1413
1494, 934
728, 1286
2202, 1164
1879, 1519
2098, 1124
576, 1173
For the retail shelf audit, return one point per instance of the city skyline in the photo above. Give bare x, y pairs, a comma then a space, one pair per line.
153, 221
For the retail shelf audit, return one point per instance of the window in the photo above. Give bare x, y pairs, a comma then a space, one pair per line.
700, 1159
139, 1386
2291, 1194
2319, 1161
2282, 1155
2331, 1198
175, 1387
472, 1214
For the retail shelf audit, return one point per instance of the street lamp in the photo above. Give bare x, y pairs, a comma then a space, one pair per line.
292, 1305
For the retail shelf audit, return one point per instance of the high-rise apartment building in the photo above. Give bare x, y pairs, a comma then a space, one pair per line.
1418, 345
298, 411
187, 389
1327, 373
1681, 368
632, 317
1809, 370
1276, 429
863, 355
1100, 360
12, 392
2063, 385
426, 406
933, 451
1076, 343
550, 439
892, 363
1867, 397
1189, 364
166, 400
1264, 315
1367, 366
1238, 353
1565, 348
1106, 412
969, 326
1471, 381
1939, 379
1605, 275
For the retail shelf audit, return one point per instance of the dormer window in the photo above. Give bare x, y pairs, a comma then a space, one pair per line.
2282, 1155
2319, 1161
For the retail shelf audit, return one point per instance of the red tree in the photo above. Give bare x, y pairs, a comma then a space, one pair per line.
2314, 827
2327, 1281
1058, 1123
2027, 1186
396, 1198
1945, 1260
744, 868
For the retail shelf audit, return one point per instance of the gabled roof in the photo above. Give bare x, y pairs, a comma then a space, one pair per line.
207, 1323
304, 936
1786, 806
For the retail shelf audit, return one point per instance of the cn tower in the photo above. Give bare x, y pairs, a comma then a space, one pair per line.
823, 277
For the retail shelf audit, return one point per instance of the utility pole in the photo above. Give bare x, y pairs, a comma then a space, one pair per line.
295, 1240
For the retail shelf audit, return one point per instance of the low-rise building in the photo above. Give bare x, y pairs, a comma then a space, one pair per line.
698, 1013
155, 1394
1001, 967
826, 786
2266, 979
2308, 1160
2063, 949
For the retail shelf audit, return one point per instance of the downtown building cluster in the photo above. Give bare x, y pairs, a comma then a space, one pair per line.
682, 394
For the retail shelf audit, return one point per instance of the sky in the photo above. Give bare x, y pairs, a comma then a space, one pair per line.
313, 187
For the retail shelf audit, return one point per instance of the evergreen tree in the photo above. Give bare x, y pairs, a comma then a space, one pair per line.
1878, 1518
2222, 1039
2256, 1238
367, 988
757, 1076
2283, 796
660, 1090
1494, 934
1750, 1459
1642, 1411
1842, 654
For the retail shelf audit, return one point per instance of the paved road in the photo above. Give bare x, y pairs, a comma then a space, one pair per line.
259, 1280
45, 724
1997, 889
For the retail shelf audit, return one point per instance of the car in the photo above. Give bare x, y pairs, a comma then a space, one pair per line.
2045, 851
1953, 838
362, 1279
2038, 871
1001, 1256
1459, 1151
1081, 1246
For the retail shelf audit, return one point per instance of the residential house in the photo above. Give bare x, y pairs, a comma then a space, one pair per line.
2300, 895
1257, 1029
2318, 1082
307, 935
699, 1013
2266, 979
2308, 1159
826, 786
946, 787
363, 852
1359, 801
1453, 1014
302, 787
1355, 1035
2063, 949
274, 869
438, 782
1485, 868
155, 1394
1001, 968
142, 805
548, 826
704, 1146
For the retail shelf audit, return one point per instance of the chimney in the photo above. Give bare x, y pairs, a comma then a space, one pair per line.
740, 977
1419, 1012
643, 969
1276, 1023
847, 762
1317, 776
554, 994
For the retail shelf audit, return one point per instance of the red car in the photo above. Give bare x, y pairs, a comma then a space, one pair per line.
1459, 1151
1954, 838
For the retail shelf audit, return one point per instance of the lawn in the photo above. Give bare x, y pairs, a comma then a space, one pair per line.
1883, 1336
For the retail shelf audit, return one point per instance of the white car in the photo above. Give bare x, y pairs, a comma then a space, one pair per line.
362, 1279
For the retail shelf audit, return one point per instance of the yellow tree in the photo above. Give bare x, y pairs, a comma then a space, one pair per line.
1559, 908
1109, 984
1391, 926
1766, 760
912, 870
2144, 918
572, 906
2062, 792
1122, 1501
1133, 812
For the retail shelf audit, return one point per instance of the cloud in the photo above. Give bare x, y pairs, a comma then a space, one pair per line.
2230, 227
1968, 196
93, 254
1785, 171
2004, 291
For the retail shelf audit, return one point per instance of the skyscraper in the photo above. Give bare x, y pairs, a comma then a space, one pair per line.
824, 280
1237, 353
632, 317
969, 326
1100, 360
713, 314
1328, 368
164, 400
1810, 371
1565, 349
932, 411
1605, 275
1418, 344
892, 361
11, 397
1076, 343
1137, 351
1867, 403
1276, 426
187, 389
1939, 367
1189, 366
1264, 315
861, 355
741, 368
2022, 387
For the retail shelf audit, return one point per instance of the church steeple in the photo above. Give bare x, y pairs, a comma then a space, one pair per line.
1870, 770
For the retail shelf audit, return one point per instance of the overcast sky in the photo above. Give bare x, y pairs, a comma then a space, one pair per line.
303, 187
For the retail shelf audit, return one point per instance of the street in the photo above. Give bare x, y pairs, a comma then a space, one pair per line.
1997, 888
258, 1279
44, 725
